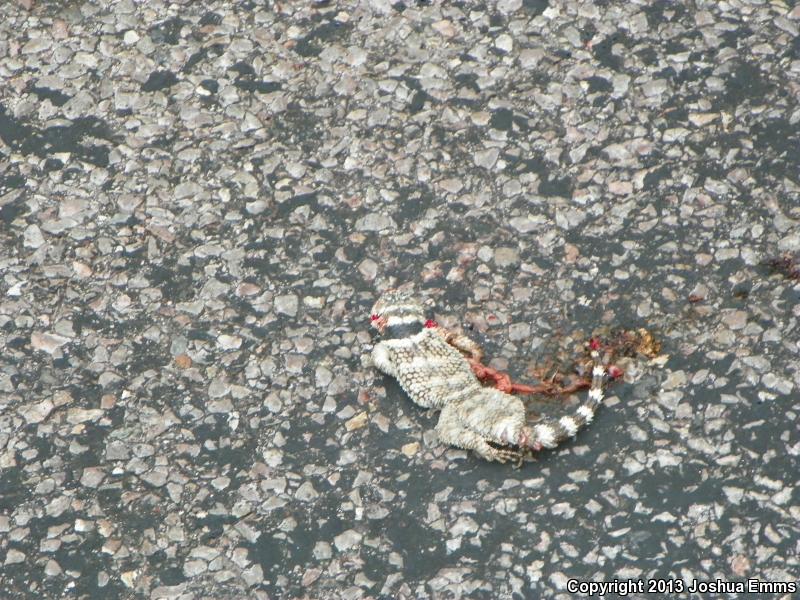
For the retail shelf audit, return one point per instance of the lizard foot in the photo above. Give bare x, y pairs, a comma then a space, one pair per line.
503, 454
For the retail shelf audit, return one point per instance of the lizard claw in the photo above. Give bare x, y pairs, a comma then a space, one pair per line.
503, 455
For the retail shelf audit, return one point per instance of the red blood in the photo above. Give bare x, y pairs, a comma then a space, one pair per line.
615, 372
430, 324
374, 318
594, 344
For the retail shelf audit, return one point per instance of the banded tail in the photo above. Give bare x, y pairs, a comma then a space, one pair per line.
551, 432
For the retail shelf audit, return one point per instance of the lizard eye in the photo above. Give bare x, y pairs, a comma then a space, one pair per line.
374, 318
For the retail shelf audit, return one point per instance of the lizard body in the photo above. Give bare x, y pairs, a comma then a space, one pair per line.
431, 367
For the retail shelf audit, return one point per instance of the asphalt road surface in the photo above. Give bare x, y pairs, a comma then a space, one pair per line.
200, 201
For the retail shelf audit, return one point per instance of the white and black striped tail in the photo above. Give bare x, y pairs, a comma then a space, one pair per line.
550, 433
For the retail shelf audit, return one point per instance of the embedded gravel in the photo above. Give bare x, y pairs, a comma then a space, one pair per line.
199, 202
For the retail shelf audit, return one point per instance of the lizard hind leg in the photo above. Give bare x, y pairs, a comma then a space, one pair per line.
453, 431
500, 454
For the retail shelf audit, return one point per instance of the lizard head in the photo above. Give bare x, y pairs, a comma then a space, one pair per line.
396, 307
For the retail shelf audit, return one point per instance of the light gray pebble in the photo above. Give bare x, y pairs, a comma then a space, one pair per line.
347, 540
52, 568
486, 158
253, 575
157, 477
193, 568
322, 551
117, 450
287, 304
219, 388
506, 257
375, 222
14, 556
38, 412
92, 477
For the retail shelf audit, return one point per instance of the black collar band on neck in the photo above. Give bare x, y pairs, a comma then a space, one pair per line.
402, 330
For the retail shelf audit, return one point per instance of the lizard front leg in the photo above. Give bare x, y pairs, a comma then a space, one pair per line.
468, 347
382, 359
